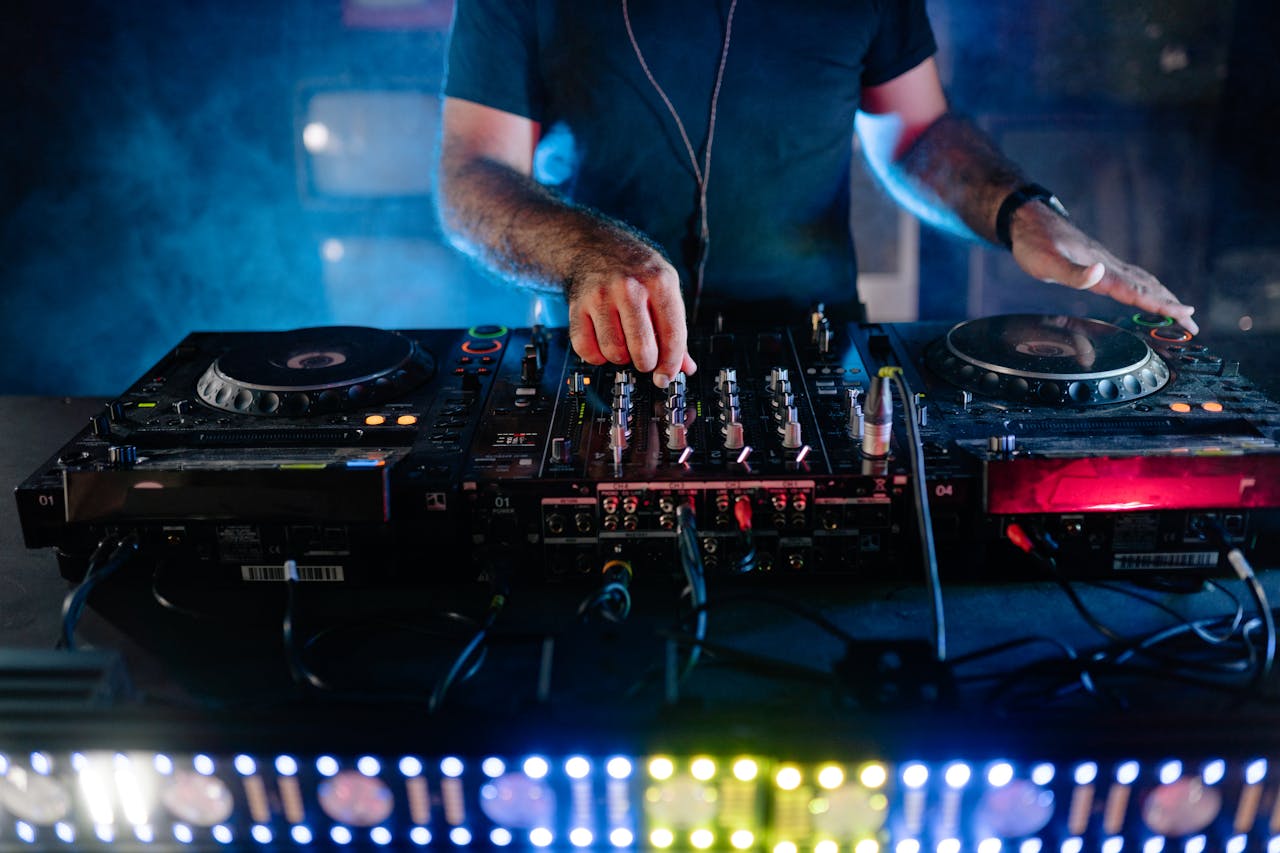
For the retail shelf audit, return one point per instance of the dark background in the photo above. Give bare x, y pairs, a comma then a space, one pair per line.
153, 179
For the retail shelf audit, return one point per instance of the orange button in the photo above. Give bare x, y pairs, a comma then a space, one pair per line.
1211, 407
407, 420
375, 420
1181, 408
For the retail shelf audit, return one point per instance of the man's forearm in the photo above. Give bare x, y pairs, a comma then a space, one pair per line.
528, 234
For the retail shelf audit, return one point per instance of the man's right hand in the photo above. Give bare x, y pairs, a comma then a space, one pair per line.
626, 308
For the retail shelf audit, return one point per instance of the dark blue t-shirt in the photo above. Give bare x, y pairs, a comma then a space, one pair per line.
778, 201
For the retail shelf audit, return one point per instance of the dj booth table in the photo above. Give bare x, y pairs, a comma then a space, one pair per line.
816, 718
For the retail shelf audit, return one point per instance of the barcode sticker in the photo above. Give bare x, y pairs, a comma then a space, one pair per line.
323, 574
1168, 560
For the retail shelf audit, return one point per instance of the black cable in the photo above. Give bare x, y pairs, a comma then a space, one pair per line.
1240, 564
99, 568
468, 655
1212, 639
924, 521
695, 577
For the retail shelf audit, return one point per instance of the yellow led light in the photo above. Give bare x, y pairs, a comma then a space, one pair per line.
745, 769
873, 775
867, 845
407, 420
827, 846
662, 838
788, 778
831, 777
702, 838
375, 420
1181, 408
1211, 406
785, 847
702, 769
661, 768
742, 839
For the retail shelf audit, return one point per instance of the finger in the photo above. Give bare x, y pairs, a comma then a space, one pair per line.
633, 312
688, 365
1135, 286
582, 335
672, 340
609, 335
1058, 269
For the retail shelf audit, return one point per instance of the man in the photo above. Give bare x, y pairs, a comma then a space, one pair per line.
713, 137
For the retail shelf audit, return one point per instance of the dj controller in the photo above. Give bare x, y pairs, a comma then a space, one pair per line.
364, 455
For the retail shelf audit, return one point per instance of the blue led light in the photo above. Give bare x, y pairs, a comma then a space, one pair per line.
380, 835
1256, 771
203, 765
1237, 843
500, 837
4, 764
410, 767
1085, 774
460, 836
41, 763
949, 845
493, 767
915, 776
1031, 845
106, 834
162, 763
144, 834
327, 765
577, 767
1072, 845
1127, 773
222, 834
182, 833
1195, 844
26, 831
621, 837
420, 836
301, 834
65, 832
1042, 774
999, 774
957, 775
286, 765
261, 834
340, 835
989, 845
1214, 771
364, 463
907, 845
245, 765
78, 762
1170, 772
1273, 846
536, 767
1114, 844
1153, 845
540, 836
619, 767
451, 767
368, 765
580, 836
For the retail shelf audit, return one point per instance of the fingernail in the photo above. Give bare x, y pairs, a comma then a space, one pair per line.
1096, 272
661, 380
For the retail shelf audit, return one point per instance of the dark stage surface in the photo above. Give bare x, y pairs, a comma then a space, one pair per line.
208, 670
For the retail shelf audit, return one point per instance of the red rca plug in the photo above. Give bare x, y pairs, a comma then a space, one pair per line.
742, 512
1019, 537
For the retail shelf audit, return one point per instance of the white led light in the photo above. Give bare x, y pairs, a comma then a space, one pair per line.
380, 836
1114, 844
826, 846
618, 768
286, 765
129, 791
203, 765
4, 764
915, 776
577, 767
788, 778
1273, 846
989, 845
245, 765
41, 763
368, 765
1042, 774
301, 834
340, 835
831, 777
145, 834
315, 136
1237, 843
866, 845
1072, 845
106, 834
78, 761
1127, 773
1085, 774
907, 845
327, 765
1214, 771
410, 767
1195, 844
182, 833
742, 839
949, 845
162, 763
25, 831
493, 767
1000, 774
500, 836
622, 837
96, 795
1170, 772
535, 767
1256, 771
1031, 845
65, 832
702, 839
957, 775
1153, 845
420, 836
451, 767
261, 834
460, 836
540, 836
580, 836
785, 847
702, 769
222, 834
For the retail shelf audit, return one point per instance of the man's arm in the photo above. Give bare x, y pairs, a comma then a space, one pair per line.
624, 297
948, 172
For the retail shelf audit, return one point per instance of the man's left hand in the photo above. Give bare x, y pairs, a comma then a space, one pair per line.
1052, 249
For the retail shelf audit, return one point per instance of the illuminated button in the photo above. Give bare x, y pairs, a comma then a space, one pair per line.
466, 359
1211, 407
375, 420
1180, 408
1171, 333
487, 331
407, 420
481, 347
1152, 320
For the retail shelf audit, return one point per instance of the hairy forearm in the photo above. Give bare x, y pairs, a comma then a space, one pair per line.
528, 234
952, 176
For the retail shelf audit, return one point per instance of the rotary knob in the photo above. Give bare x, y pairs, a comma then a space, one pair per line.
734, 437
677, 437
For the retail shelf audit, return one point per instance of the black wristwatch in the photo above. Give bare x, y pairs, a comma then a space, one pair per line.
1015, 200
